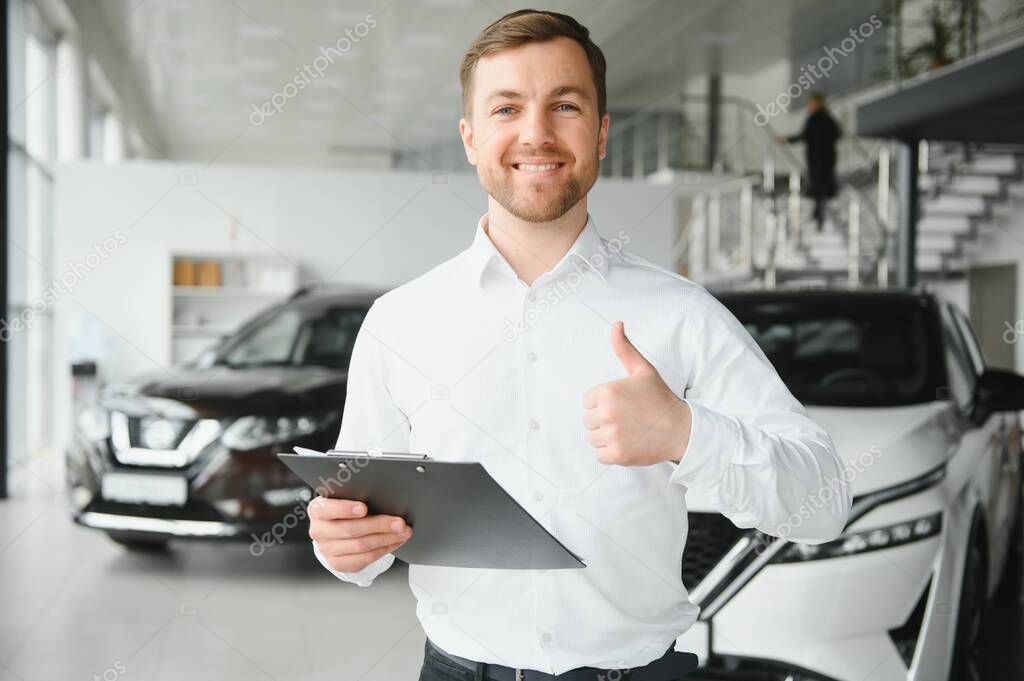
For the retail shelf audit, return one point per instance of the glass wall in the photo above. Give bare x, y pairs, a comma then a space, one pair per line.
31, 133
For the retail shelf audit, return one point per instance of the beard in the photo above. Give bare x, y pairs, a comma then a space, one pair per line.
545, 200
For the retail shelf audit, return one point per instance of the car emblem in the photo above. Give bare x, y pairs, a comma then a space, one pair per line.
158, 433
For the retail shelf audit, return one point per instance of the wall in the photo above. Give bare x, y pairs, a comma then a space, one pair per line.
999, 242
1002, 243
375, 229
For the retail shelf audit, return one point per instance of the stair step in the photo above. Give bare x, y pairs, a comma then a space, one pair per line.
949, 204
930, 262
814, 238
827, 254
833, 261
977, 185
946, 224
996, 164
936, 242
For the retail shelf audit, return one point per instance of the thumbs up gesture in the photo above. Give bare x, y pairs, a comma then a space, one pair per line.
636, 420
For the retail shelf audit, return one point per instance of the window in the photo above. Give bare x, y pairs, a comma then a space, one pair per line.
300, 335
834, 352
271, 344
970, 339
958, 361
31, 135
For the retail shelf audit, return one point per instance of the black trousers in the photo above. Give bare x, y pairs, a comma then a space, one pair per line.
438, 668
819, 210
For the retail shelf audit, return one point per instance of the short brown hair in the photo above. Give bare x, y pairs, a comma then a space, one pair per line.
529, 26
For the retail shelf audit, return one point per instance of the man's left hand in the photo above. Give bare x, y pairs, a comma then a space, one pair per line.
637, 420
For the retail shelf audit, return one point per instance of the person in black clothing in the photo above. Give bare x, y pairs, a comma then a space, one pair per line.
819, 137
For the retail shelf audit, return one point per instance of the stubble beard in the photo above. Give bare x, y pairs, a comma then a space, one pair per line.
561, 198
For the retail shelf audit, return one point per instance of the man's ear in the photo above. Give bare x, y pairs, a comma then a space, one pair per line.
602, 137
468, 143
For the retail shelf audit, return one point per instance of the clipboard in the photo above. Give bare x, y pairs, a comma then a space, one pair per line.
460, 515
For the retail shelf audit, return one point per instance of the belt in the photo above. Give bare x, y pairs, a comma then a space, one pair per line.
669, 667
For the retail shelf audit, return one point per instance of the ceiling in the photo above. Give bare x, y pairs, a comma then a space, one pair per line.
204, 64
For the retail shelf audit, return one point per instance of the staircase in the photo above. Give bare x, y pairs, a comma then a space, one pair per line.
750, 225
961, 196
964, 193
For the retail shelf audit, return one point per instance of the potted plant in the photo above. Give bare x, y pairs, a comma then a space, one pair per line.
934, 52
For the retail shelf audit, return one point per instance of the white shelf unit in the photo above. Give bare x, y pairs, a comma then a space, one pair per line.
246, 285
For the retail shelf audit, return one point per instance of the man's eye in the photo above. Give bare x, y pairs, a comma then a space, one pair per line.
571, 107
504, 111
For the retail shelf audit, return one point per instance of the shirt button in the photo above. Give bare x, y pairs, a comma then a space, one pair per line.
532, 356
531, 297
534, 425
546, 637
538, 495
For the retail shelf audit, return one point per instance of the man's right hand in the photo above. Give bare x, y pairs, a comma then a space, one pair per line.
348, 538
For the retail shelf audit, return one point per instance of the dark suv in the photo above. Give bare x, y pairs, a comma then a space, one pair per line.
193, 455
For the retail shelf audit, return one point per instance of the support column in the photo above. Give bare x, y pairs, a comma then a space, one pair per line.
72, 107
906, 229
714, 118
4, 373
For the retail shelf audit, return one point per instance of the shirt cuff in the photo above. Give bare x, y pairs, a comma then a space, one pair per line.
714, 440
362, 577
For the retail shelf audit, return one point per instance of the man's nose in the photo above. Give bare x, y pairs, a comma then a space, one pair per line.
537, 130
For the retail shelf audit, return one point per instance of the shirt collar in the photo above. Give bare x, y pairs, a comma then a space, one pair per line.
587, 254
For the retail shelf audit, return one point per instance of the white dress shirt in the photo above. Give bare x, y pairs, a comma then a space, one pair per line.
468, 363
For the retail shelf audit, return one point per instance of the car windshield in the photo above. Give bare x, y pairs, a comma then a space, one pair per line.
844, 353
296, 336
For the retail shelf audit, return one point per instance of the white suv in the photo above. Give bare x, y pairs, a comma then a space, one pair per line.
932, 442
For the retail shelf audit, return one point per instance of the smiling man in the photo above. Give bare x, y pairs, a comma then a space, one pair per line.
628, 386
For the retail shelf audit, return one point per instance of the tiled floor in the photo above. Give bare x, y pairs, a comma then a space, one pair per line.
73, 605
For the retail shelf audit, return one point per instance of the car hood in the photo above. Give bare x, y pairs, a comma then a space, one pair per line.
224, 391
880, 446
886, 446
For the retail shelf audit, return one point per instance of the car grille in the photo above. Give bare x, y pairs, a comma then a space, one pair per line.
710, 537
156, 441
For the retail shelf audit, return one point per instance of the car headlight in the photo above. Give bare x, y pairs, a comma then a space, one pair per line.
864, 541
251, 432
94, 423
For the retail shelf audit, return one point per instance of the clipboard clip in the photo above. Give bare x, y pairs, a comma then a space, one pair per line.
380, 455
373, 454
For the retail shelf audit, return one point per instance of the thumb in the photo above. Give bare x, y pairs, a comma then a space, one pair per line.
626, 352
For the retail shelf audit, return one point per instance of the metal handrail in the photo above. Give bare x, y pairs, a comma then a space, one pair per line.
860, 200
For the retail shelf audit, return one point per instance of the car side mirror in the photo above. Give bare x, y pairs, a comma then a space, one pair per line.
998, 390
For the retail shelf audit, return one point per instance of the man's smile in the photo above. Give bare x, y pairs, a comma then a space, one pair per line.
538, 167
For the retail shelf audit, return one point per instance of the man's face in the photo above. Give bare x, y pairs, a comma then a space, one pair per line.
534, 133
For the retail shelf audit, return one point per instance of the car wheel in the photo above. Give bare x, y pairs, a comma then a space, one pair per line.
139, 544
967, 655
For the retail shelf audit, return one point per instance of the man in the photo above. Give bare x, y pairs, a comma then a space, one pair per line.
819, 136
512, 354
